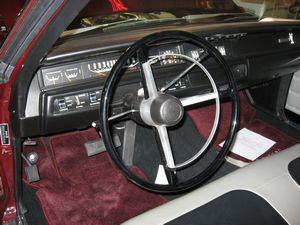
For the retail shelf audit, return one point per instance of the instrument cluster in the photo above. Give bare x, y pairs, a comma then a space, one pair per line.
100, 67
77, 71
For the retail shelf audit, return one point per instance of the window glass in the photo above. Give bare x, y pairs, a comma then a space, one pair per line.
117, 15
9, 12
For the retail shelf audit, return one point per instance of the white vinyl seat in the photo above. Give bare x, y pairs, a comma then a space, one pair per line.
268, 178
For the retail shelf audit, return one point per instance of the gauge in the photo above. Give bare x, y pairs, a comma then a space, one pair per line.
73, 74
221, 49
96, 69
169, 57
99, 68
52, 77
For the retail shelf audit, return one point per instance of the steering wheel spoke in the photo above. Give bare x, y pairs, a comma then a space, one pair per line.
166, 146
122, 114
187, 101
149, 80
142, 57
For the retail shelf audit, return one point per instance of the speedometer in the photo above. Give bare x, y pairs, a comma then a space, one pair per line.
168, 55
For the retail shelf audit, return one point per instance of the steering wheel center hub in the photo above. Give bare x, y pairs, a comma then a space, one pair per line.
164, 110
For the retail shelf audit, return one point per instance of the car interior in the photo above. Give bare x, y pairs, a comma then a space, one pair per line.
132, 118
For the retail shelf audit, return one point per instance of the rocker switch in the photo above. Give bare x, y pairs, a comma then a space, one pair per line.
62, 104
93, 97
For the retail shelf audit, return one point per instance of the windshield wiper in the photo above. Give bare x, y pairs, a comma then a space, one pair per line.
227, 16
141, 22
87, 29
241, 18
117, 20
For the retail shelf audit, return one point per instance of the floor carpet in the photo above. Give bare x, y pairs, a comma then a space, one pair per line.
203, 119
75, 189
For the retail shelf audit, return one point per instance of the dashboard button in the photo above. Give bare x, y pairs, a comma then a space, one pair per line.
62, 104
93, 97
70, 102
82, 100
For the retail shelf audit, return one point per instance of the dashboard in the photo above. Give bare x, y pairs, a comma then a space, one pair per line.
100, 67
66, 90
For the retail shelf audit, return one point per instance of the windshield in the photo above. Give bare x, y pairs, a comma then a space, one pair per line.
115, 14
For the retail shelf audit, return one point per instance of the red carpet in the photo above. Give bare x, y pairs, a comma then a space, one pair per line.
75, 189
203, 120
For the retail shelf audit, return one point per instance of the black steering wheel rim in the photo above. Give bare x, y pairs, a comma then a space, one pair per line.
107, 95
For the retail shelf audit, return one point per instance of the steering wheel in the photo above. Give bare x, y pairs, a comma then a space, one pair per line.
158, 109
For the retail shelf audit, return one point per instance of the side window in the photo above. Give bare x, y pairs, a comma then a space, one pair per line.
9, 12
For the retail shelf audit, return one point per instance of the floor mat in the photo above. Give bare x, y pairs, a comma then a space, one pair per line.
76, 189
185, 142
203, 118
